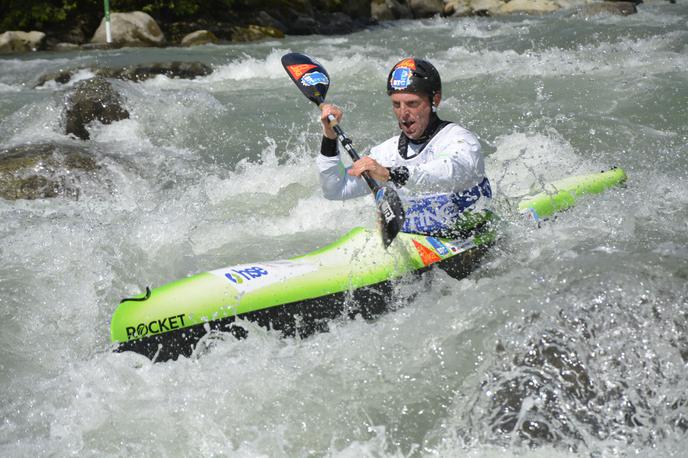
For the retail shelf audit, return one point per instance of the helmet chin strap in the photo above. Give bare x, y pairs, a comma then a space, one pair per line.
434, 126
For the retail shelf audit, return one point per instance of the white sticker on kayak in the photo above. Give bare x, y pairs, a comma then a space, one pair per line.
250, 277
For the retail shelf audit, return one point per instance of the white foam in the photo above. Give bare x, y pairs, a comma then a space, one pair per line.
525, 161
652, 55
248, 67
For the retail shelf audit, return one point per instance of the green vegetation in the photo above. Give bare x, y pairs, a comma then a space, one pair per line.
39, 14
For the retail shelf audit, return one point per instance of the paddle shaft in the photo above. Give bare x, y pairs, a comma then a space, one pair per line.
346, 143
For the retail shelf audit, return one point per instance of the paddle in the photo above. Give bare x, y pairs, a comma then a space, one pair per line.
313, 81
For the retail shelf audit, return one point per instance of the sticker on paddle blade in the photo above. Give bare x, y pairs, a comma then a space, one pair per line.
298, 70
313, 78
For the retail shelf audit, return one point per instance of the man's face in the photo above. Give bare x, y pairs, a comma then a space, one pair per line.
413, 112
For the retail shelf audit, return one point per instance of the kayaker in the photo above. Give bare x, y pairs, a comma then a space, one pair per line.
436, 166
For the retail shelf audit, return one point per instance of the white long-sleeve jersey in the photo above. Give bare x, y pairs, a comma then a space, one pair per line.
444, 180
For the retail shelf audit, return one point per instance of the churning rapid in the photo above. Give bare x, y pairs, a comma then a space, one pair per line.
570, 339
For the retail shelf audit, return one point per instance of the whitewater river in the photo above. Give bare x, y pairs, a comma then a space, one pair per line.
569, 340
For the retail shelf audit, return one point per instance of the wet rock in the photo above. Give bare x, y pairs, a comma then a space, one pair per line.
142, 72
268, 20
357, 9
388, 10
92, 100
130, 29
425, 8
255, 33
43, 171
302, 24
486, 7
529, 7
336, 24
17, 41
457, 8
199, 37
60, 76
62, 47
618, 8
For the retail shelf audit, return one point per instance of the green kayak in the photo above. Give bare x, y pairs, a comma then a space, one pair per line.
353, 276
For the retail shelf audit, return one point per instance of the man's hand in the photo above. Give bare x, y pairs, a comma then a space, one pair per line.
370, 165
327, 109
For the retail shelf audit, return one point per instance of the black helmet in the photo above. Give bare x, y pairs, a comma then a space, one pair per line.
414, 75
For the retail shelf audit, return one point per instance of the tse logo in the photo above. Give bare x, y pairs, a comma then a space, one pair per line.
237, 276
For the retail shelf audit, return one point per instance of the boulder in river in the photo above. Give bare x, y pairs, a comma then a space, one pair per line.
141, 72
486, 7
255, 33
199, 37
17, 41
93, 99
529, 7
388, 10
457, 8
617, 8
38, 171
131, 29
426, 8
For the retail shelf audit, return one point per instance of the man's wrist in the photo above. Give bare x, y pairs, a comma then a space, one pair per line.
328, 147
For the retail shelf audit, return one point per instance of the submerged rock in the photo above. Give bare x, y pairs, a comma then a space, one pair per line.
130, 29
43, 171
93, 99
141, 72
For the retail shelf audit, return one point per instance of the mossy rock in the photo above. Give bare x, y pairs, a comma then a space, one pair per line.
44, 170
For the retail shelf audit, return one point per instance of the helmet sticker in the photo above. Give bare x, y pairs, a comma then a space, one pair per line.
401, 78
408, 63
313, 78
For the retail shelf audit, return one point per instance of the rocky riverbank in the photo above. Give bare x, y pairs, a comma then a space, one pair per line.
267, 19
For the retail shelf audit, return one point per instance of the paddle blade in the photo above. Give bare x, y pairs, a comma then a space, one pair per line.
391, 213
308, 75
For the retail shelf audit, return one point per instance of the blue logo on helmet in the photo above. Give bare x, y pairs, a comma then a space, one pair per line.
401, 78
313, 78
